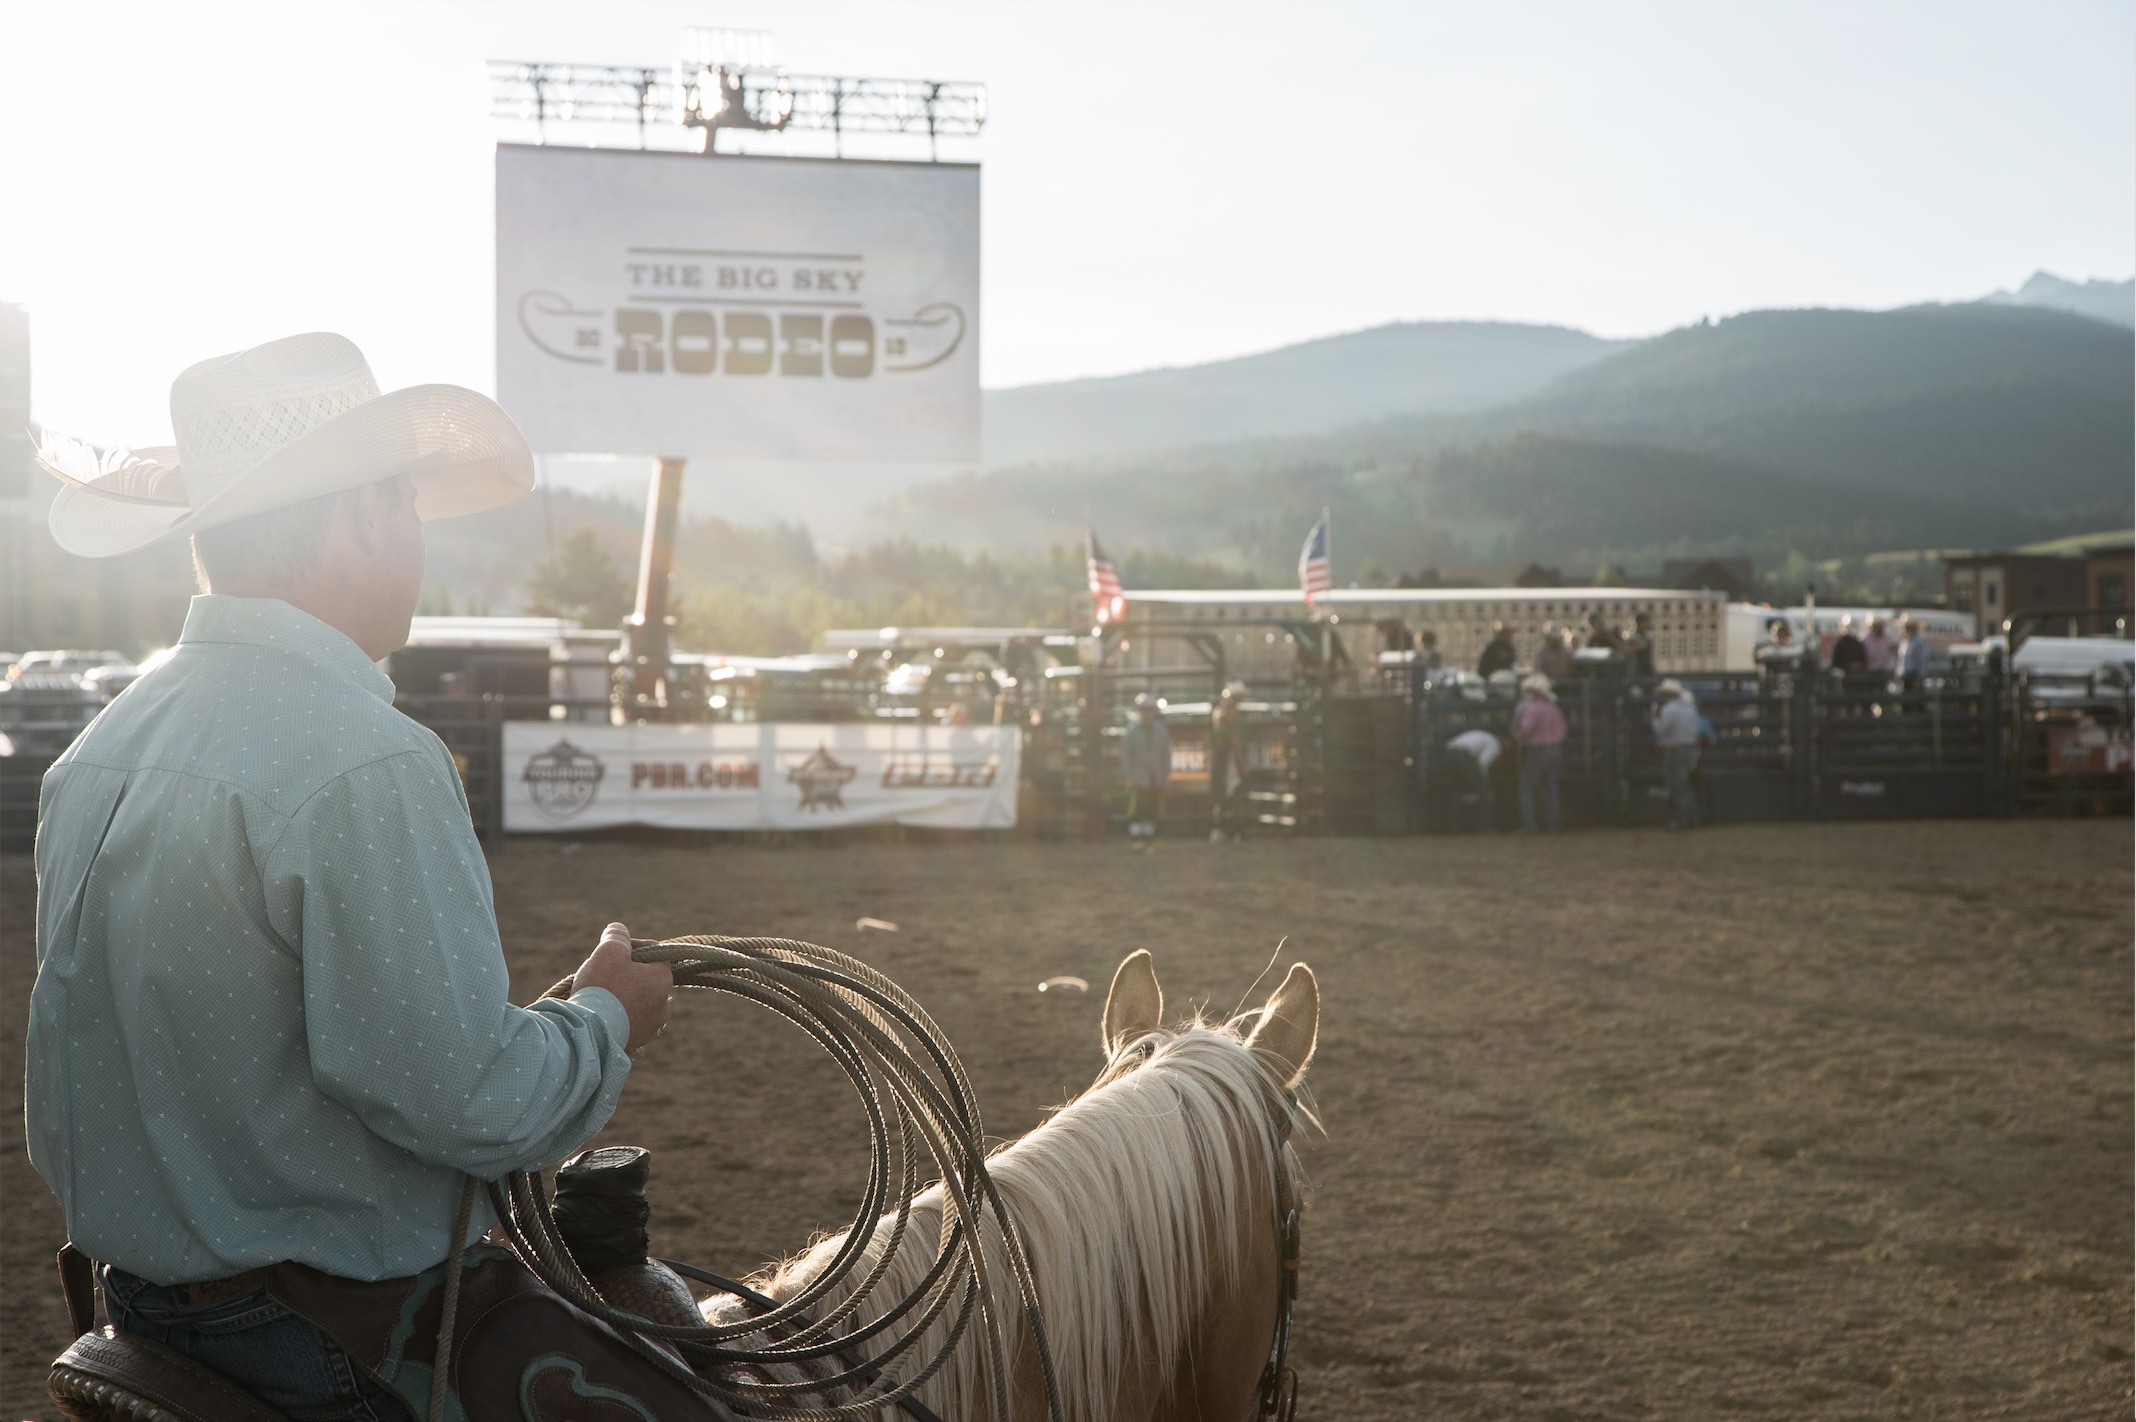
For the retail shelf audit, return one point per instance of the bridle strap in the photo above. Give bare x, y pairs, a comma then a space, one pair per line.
1279, 1381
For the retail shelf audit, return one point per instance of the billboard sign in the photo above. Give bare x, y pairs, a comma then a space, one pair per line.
564, 777
738, 308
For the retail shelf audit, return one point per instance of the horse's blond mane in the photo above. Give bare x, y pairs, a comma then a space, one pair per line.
1120, 1197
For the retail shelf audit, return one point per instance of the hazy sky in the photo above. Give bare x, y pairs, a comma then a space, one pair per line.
1165, 182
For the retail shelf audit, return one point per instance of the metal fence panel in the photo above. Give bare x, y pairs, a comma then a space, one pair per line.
1781, 747
2069, 746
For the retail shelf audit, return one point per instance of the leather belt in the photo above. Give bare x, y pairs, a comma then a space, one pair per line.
216, 1290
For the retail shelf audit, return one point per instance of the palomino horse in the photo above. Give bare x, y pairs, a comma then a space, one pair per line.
1152, 1208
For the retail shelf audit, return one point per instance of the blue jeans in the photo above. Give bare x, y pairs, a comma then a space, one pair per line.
256, 1343
1471, 779
1145, 805
1677, 763
1539, 772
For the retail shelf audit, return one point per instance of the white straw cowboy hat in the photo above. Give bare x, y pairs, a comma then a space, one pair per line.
273, 426
1538, 684
1670, 686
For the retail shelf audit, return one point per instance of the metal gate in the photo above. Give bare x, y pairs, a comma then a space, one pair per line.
2069, 746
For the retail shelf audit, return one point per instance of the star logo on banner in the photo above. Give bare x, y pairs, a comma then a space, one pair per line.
822, 781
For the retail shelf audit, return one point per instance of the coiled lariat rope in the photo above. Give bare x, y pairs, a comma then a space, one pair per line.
919, 1106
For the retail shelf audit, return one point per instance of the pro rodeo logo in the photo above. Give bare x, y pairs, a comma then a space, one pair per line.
562, 780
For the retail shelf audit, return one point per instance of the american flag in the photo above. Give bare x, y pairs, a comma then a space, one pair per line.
1314, 576
1105, 589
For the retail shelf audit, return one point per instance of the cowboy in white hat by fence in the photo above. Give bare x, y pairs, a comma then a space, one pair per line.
1227, 763
1676, 733
1539, 730
270, 1019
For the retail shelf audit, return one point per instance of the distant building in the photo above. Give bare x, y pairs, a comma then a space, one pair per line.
1736, 577
1264, 634
14, 475
2109, 573
49, 599
1995, 586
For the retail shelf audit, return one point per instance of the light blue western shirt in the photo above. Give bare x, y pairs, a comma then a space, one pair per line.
270, 1019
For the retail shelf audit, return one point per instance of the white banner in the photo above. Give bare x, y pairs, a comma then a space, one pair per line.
561, 776
738, 308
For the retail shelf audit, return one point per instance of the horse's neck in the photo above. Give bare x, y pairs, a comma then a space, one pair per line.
1138, 1204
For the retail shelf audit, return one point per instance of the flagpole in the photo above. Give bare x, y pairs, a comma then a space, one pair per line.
1327, 633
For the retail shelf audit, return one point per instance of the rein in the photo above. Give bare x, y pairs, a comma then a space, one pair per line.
920, 1107
916, 1096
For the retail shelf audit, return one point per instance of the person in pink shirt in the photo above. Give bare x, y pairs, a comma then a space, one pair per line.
1539, 731
1876, 649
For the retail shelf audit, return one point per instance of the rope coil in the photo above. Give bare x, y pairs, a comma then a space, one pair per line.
920, 1110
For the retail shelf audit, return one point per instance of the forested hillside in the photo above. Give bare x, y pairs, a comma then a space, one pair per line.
1833, 432
756, 590
1437, 367
2004, 407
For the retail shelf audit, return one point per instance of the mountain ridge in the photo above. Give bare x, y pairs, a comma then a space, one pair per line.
2102, 300
1841, 430
1403, 367
1399, 370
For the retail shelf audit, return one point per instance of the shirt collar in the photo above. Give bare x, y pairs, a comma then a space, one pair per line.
269, 622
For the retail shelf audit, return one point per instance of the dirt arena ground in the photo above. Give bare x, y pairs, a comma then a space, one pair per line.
1781, 1121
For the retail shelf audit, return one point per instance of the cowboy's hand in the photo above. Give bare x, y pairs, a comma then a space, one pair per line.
642, 988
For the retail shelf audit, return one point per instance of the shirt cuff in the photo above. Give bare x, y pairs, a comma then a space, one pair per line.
609, 1008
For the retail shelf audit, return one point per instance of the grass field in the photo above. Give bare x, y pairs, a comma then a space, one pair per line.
1779, 1121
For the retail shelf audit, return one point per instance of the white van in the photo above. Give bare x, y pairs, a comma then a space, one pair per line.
2109, 661
1745, 631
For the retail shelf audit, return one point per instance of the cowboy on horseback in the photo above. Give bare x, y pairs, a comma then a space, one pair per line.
270, 1038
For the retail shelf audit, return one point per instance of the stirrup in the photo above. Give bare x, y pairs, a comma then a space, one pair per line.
122, 1377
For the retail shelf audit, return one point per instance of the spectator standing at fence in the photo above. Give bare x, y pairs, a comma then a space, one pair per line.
1498, 654
1876, 649
1146, 760
1639, 644
1539, 730
1913, 656
1428, 656
1045, 758
1601, 635
1676, 731
1849, 657
1227, 763
1469, 758
1553, 655
1780, 656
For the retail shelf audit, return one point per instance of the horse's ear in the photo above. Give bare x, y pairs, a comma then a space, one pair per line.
1290, 1024
1135, 1004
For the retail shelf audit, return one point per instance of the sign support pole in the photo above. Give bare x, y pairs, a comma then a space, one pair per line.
645, 631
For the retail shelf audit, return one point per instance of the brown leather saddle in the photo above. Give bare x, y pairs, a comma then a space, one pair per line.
107, 1376
519, 1351
122, 1377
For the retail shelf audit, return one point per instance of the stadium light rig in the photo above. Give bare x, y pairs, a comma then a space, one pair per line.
724, 83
